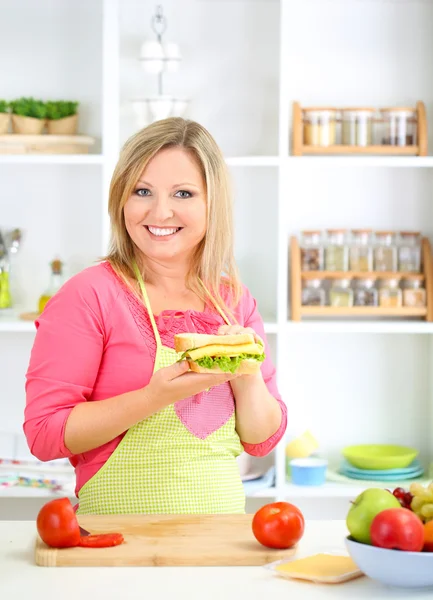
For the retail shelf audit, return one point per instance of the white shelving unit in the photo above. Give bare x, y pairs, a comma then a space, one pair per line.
346, 388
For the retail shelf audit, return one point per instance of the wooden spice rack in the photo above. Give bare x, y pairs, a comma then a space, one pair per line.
300, 149
297, 276
14, 143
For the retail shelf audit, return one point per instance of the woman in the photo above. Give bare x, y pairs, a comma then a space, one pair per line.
104, 385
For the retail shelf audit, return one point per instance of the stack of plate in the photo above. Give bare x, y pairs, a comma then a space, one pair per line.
414, 470
380, 462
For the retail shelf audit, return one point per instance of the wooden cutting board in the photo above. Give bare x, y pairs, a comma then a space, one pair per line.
166, 540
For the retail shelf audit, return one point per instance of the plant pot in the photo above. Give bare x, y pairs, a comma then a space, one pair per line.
27, 125
66, 126
4, 123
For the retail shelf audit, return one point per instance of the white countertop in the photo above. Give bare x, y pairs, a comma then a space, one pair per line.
21, 578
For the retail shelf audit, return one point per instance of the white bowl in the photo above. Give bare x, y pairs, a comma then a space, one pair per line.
393, 567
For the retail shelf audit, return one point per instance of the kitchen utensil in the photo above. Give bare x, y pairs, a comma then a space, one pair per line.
384, 478
380, 456
393, 567
167, 540
308, 471
84, 532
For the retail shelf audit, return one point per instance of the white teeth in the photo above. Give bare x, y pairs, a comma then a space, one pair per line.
158, 231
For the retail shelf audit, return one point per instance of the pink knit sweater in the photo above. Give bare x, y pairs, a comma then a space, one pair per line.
94, 341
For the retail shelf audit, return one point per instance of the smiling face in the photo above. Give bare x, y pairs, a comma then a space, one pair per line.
166, 214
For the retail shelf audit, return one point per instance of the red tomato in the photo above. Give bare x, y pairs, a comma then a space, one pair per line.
57, 524
278, 525
102, 540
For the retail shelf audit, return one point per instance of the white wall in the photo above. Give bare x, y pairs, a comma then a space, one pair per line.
229, 68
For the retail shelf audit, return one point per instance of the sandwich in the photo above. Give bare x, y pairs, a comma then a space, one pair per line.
239, 354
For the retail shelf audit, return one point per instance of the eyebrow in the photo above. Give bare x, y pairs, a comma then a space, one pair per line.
174, 186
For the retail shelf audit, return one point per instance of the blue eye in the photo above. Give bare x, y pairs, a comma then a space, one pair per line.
142, 192
184, 194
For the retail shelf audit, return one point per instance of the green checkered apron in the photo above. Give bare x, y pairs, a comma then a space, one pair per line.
160, 467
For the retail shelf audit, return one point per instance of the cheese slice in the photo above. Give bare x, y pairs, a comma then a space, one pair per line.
321, 568
221, 350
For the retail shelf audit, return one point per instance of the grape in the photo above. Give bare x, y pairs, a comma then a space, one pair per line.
427, 511
408, 499
422, 501
399, 493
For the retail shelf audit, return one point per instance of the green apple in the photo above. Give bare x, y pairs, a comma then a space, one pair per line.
363, 510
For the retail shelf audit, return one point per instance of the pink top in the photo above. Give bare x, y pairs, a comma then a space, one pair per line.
94, 341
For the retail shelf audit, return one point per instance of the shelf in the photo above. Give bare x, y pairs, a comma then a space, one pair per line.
51, 159
361, 275
362, 161
327, 490
360, 326
362, 311
10, 324
29, 492
253, 161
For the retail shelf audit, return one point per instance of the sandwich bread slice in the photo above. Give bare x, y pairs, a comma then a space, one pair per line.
205, 353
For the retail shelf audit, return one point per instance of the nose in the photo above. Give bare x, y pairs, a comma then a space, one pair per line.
161, 209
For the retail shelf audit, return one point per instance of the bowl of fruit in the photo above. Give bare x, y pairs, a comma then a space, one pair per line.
391, 535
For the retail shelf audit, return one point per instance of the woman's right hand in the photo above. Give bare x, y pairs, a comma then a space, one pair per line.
171, 384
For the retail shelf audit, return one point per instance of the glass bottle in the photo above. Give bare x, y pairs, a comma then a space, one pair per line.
357, 126
361, 251
414, 294
400, 126
385, 252
56, 282
341, 294
320, 126
336, 251
365, 293
313, 293
409, 252
311, 251
390, 293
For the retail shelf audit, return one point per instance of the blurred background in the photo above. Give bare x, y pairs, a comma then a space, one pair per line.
322, 109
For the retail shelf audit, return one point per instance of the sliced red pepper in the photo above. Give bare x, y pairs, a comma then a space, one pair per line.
102, 540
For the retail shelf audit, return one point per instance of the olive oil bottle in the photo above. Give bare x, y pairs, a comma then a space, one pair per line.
56, 282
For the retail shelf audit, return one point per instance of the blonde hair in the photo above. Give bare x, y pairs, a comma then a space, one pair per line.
213, 261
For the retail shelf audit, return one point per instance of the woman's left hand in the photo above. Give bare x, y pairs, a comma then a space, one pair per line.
237, 330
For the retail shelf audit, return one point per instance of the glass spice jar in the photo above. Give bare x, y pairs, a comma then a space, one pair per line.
312, 253
385, 252
400, 126
390, 293
336, 251
341, 294
414, 294
409, 252
365, 293
320, 126
361, 251
313, 293
357, 126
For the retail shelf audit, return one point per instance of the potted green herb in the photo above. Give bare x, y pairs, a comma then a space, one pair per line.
28, 116
62, 117
4, 117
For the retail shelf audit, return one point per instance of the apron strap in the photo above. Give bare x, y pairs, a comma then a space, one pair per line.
149, 308
147, 303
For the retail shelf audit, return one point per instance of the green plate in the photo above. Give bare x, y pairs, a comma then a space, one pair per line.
379, 456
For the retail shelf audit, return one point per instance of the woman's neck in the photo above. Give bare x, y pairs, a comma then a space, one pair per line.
169, 278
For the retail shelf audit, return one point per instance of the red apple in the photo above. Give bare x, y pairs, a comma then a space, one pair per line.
397, 529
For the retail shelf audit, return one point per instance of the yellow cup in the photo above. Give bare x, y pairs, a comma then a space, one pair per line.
302, 446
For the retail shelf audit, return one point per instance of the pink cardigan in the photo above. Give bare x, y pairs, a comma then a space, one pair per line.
94, 341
